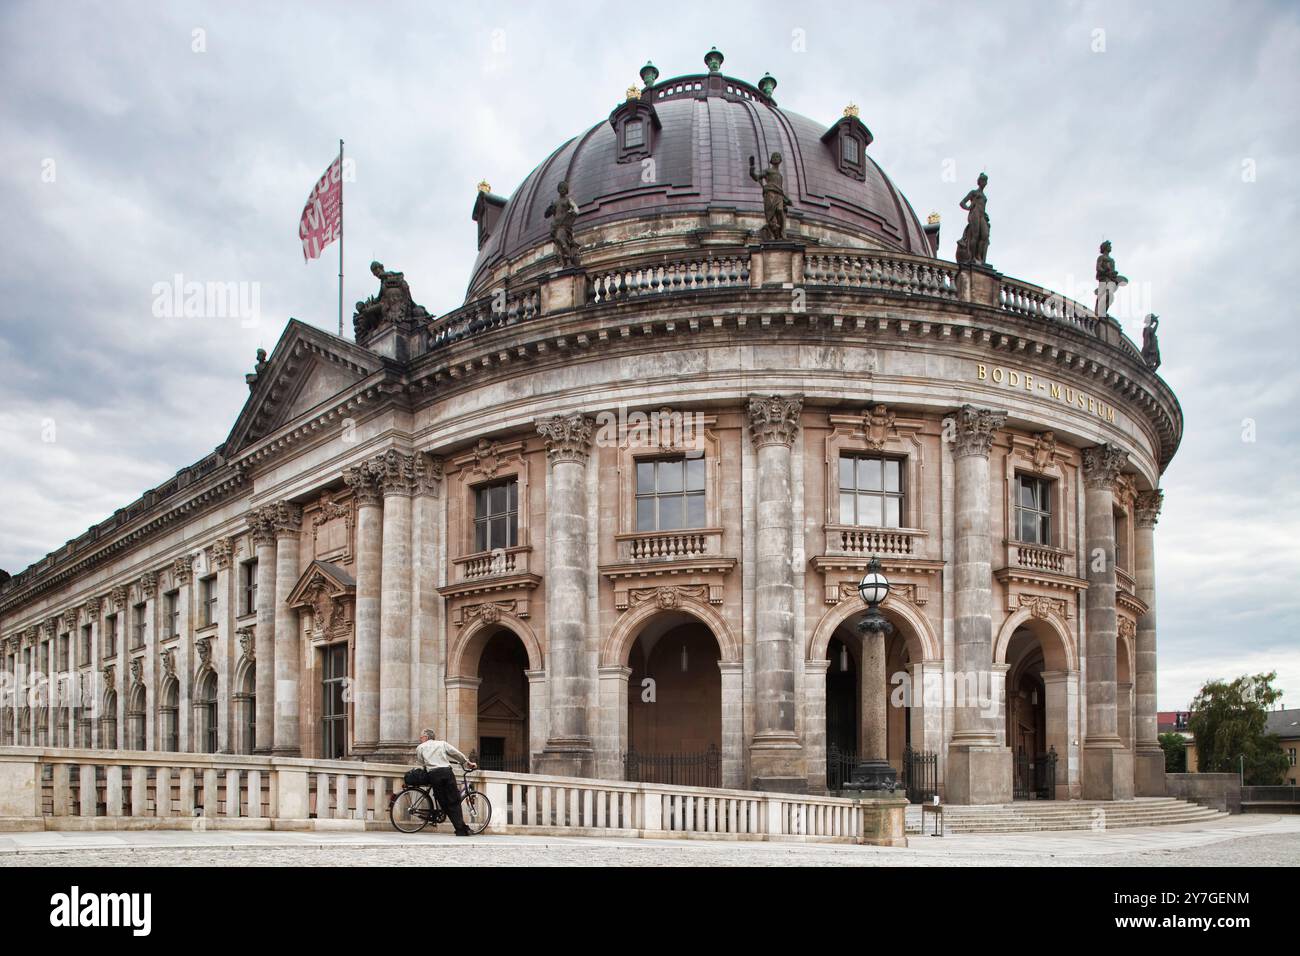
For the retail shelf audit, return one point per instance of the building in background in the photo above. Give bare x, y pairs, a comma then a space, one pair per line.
609, 516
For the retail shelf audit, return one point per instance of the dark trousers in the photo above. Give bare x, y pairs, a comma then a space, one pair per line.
443, 784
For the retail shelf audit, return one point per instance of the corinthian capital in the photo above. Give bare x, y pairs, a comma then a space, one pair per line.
149, 584
261, 523
1102, 464
183, 569
285, 518
975, 430
223, 550
395, 472
774, 419
428, 474
568, 437
1147, 507
363, 482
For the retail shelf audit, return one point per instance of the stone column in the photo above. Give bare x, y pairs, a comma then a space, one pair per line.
1056, 707
92, 689
183, 580
777, 759
364, 482
874, 700
287, 520
151, 660
1149, 760
611, 741
261, 522
398, 481
568, 750
1107, 774
539, 714
426, 602
979, 767
814, 722
733, 724
119, 678
220, 559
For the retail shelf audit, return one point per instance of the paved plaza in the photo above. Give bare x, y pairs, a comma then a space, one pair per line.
1240, 841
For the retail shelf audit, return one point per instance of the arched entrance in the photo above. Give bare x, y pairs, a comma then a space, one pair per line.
868, 700
1039, 671
674, 706
503, 703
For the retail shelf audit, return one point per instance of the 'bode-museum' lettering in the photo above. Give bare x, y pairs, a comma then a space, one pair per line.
1013, 378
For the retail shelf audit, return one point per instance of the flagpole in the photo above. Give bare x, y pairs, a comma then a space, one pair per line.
340, 238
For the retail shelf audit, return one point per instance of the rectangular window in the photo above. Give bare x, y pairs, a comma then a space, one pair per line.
871, 491
208, 599
137, 629
850, 150
83, 652
633, 134
496, 515
1034, 510
62, 662
1291, 754
172, 612
670, 493
248, 587
334, 709
110, 636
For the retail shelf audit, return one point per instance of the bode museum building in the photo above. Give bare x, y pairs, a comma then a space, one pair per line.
609, 517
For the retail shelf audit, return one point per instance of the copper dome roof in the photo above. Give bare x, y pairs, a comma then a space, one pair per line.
707, 128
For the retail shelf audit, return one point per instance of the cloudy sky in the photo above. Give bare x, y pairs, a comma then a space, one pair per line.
144, 141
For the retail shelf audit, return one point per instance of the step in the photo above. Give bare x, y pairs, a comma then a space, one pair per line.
1044, 815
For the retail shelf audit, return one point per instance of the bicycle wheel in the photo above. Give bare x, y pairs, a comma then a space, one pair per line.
477, 811
411, 811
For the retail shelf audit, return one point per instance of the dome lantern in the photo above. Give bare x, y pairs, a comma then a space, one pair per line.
713, 60
767, 84
649, 73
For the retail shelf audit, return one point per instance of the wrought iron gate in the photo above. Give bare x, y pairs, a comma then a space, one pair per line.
1035, 778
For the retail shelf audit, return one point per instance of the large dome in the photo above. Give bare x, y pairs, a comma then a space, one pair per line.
700, 132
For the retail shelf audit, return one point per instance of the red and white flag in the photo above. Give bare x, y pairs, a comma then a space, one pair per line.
322, 217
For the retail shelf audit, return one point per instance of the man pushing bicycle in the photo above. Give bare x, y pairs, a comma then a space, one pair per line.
436, 756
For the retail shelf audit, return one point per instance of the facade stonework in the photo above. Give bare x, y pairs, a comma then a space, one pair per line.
609, 518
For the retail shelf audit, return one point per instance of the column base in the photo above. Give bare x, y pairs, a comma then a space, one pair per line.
1107, 772
777, 764
883, 819
393, 751
286, 752
978, 774
566, 757
1149, 773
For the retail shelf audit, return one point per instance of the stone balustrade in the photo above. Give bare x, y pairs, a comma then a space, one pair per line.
486, 564
668, 544
1038, 558
887, 272
897, 542
659, 278
43, 789
1022, 298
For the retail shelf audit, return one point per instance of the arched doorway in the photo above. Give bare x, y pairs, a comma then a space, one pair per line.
244, 711
170, 714
108, 722
1039, 668
674, 703
503, 701
842, 708
135, 718
205, 712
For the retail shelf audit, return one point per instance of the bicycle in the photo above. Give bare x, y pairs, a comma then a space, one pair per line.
414, 808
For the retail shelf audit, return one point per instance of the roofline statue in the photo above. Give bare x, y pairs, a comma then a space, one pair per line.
973, 246
563, 213
1150, 344
1108, 280
775, 198
392, 305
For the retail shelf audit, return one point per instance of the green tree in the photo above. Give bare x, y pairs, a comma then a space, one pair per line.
1228, 721
1175, 748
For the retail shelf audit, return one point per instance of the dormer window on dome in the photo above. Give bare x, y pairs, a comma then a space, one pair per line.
635, 124
849, 139
487, 210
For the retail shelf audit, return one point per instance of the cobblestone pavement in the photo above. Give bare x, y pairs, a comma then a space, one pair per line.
1242, 841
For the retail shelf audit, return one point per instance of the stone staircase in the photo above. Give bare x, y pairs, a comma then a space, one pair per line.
1033, 816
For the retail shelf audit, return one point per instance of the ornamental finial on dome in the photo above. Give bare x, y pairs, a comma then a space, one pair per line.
634, 92
713, 60
649, 73
484, 186
767, 84
851, 110
932, 219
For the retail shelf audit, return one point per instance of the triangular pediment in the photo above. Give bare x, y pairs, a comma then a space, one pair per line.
497, 707
321, 575
307, 369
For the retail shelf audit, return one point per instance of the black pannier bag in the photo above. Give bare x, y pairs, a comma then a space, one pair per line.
416, 777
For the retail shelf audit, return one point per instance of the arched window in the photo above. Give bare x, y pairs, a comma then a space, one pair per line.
108, 722
245, 710
205, 713
135, 722
170, 714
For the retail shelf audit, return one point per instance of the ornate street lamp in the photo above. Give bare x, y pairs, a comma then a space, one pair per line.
873, 590
873, 772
